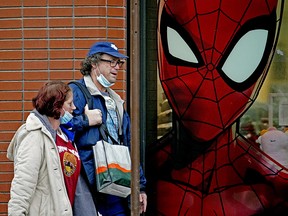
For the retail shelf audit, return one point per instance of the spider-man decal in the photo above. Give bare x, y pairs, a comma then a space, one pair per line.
213, 58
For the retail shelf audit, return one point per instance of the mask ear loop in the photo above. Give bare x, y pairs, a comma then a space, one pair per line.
96, 64
64, 112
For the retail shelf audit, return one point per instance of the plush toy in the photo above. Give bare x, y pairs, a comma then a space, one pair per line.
275, 144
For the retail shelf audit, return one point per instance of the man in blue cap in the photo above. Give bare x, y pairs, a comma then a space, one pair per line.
100, 70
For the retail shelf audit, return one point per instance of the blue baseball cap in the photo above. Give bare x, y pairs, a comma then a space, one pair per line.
107, 48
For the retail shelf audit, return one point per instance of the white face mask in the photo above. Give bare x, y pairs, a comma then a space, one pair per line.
66, 117
104, 82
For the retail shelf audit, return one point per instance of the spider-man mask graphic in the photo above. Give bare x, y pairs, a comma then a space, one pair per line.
213, 58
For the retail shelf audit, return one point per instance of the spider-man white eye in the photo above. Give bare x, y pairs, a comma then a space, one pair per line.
178, 47
246, 55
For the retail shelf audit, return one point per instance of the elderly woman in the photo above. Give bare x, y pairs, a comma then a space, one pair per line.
46, 164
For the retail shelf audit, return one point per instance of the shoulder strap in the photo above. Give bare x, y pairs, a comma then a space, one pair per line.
105, 134
86, 93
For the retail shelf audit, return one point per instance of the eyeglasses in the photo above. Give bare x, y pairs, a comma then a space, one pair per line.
113, 63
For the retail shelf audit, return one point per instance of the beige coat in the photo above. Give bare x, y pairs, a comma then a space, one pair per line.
38, 187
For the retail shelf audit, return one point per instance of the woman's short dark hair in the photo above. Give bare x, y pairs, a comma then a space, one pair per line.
50, 98
86, 64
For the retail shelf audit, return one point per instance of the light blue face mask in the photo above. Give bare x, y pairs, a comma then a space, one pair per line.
104, 82
66, 117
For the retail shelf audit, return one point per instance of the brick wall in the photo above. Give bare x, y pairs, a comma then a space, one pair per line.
43, 40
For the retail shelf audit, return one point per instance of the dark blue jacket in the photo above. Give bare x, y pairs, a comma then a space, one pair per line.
87, 136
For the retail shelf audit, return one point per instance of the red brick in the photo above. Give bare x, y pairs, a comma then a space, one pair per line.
60, 44
34, 3
11, 65
10, 76
3, 209
60, 22
35, 65
5, 126
116, 12
4, 146
26, 114
10, 44
34, 33
34, 23
116, 3
6, 136
6, 167
6, 86
61, 75
5, 187
78, 76
32, 44
4, 96
60, 11
10, 24
28, 106
116, 33
90, 11
61, 33
61, 3
90, 32
118, 23
35, 54
33, 85
10, 13
34, 12
80, 54
61, 54
90, 22
4, 197
77, 63
28, 95
11, 3
121, 75
35, 75
10, 55
90, 2
56, 64
119, 85
10, 106
15, 34
10, 116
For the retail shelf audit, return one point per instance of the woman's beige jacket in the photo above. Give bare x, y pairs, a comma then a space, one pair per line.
38, 186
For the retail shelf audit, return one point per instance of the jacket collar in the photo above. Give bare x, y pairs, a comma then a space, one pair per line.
33, 124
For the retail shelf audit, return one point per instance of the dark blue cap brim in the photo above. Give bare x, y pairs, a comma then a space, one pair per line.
116, 54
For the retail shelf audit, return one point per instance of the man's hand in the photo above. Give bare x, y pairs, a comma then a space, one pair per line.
94, 116
143, 202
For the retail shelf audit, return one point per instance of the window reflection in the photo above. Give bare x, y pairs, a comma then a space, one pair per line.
164, 114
